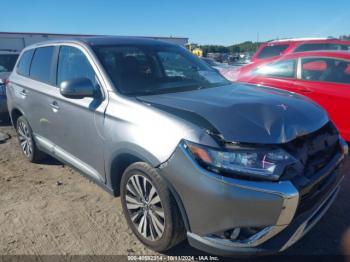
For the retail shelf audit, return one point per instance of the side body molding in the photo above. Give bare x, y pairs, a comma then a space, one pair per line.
54, 150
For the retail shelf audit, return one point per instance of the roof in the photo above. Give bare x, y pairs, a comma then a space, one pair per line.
103, 41
335, 54
302, 39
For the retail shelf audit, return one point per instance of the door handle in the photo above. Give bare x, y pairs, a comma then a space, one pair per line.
54, 105
23, 93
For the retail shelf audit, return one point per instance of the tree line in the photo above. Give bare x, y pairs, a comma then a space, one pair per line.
247, 46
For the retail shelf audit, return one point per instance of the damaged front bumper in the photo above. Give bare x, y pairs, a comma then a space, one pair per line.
212, 204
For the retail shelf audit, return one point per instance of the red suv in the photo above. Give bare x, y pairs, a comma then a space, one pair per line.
323, 76
283, 47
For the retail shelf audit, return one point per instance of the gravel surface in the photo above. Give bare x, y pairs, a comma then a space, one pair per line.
50, 209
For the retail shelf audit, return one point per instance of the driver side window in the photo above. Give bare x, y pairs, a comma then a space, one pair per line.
72, 63
284, 69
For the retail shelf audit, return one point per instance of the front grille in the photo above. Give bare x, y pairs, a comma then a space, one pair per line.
316, 174
315, 150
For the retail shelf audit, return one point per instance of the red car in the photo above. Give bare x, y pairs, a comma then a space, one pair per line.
323, 76
287, 46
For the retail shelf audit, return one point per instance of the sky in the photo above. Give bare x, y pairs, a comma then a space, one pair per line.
222, 22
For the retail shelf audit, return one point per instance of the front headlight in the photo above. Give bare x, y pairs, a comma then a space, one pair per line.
249, 162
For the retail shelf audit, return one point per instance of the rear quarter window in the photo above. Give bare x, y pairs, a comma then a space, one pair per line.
41, 64
23, 65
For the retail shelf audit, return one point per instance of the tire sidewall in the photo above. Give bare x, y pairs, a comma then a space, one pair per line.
164, 194
25, 121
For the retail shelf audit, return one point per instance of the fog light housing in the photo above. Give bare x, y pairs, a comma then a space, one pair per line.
238, 234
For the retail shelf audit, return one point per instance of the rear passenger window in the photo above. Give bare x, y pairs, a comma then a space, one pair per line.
24, 63
326, 70
72, 63
41, 64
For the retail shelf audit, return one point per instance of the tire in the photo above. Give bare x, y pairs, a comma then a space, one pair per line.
26, 141
158, 237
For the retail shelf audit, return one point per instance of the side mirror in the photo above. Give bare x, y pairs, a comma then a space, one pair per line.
77, 88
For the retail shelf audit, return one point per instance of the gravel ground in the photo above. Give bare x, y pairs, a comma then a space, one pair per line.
49, 209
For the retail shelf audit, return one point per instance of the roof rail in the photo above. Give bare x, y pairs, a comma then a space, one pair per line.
302, 39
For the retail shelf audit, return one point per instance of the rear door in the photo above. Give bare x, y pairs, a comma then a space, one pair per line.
327, 81
79, 138
31, 87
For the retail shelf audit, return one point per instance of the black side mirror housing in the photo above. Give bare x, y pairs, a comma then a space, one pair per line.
77, 88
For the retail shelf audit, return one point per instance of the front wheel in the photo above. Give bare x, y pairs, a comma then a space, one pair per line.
150, 209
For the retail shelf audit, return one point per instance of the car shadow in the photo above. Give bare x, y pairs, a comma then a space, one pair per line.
50, 161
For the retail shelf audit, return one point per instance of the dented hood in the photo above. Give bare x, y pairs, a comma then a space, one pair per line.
245, 113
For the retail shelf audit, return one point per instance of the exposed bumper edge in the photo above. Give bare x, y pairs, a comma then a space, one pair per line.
230, 202
291, 235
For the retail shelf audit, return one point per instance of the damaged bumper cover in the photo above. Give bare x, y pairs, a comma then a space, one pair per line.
212, 204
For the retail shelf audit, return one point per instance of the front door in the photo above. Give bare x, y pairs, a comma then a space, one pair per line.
79, 138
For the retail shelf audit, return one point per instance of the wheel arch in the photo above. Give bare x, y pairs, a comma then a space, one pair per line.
120, 161
14, 115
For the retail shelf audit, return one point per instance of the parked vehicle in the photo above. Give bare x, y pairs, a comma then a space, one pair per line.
283, 47
323, 76
238, 169
8, 60
224, 69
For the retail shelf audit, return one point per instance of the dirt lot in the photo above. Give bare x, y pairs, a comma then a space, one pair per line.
51, 209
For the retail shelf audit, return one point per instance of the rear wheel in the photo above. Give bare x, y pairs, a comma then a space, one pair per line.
150, 209
26, 141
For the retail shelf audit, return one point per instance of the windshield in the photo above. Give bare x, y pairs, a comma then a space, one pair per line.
271, 51
144, 70
7, 62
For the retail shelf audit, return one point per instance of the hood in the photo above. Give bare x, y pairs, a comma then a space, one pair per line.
245, 113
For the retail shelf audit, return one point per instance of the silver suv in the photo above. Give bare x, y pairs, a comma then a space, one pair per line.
235, 168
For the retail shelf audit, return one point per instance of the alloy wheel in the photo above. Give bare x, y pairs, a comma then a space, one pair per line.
145, 207
25, 139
